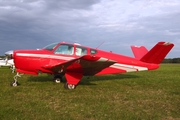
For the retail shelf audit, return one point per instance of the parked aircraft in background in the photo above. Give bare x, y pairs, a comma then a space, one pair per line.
8, 61
3, 62
75, 61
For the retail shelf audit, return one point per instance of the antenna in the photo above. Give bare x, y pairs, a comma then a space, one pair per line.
100, 44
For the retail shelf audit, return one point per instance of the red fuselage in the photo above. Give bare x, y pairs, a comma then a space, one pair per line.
35, 61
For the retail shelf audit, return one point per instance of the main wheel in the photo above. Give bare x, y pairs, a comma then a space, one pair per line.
57, 80
69, 86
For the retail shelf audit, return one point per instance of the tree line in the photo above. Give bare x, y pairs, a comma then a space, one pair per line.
171, 60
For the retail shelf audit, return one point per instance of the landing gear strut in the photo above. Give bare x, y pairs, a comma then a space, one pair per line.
12, 68
15, 83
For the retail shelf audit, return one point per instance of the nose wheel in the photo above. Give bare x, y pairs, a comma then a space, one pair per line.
15, 83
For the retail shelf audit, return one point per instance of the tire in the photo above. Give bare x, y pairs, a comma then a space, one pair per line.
69, 86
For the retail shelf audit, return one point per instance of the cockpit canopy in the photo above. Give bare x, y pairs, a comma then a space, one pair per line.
69, 49
51, 46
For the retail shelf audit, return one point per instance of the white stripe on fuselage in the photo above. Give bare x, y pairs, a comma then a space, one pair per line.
128, 68
45, 56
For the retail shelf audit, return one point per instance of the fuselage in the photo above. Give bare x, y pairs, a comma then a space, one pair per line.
35, 61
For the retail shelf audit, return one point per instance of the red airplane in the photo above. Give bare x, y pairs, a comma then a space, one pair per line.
75, 61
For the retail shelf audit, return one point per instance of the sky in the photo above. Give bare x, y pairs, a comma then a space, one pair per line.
111, 25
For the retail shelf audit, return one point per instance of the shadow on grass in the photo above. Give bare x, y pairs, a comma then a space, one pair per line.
40, 78
86, 80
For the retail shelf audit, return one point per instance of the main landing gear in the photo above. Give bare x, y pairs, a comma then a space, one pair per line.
69, 86
73, 75
15, 83
57, 79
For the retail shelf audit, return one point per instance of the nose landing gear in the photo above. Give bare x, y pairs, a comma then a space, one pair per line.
15, 83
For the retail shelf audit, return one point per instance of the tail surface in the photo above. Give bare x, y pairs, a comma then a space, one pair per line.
156, 55
139, 51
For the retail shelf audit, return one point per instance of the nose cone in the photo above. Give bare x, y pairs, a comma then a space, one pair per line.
9, 53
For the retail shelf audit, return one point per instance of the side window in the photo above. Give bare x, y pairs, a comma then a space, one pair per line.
65, 50
93, 51
80, 51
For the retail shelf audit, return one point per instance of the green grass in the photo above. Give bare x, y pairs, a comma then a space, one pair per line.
147, 95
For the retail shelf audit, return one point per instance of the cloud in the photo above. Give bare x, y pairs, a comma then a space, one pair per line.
30, 24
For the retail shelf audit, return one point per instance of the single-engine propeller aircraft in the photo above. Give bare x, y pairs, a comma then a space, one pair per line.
75, 61
8, 61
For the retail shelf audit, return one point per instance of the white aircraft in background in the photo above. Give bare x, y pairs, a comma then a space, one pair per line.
8, 61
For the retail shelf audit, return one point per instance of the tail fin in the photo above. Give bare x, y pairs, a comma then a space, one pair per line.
156, 55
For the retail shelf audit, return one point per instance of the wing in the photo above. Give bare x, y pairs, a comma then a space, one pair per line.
90, 64
93, 64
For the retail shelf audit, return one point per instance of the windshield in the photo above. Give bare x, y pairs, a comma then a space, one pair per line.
65, 49
50, 47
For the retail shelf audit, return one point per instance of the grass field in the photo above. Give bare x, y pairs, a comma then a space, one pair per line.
148, 95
